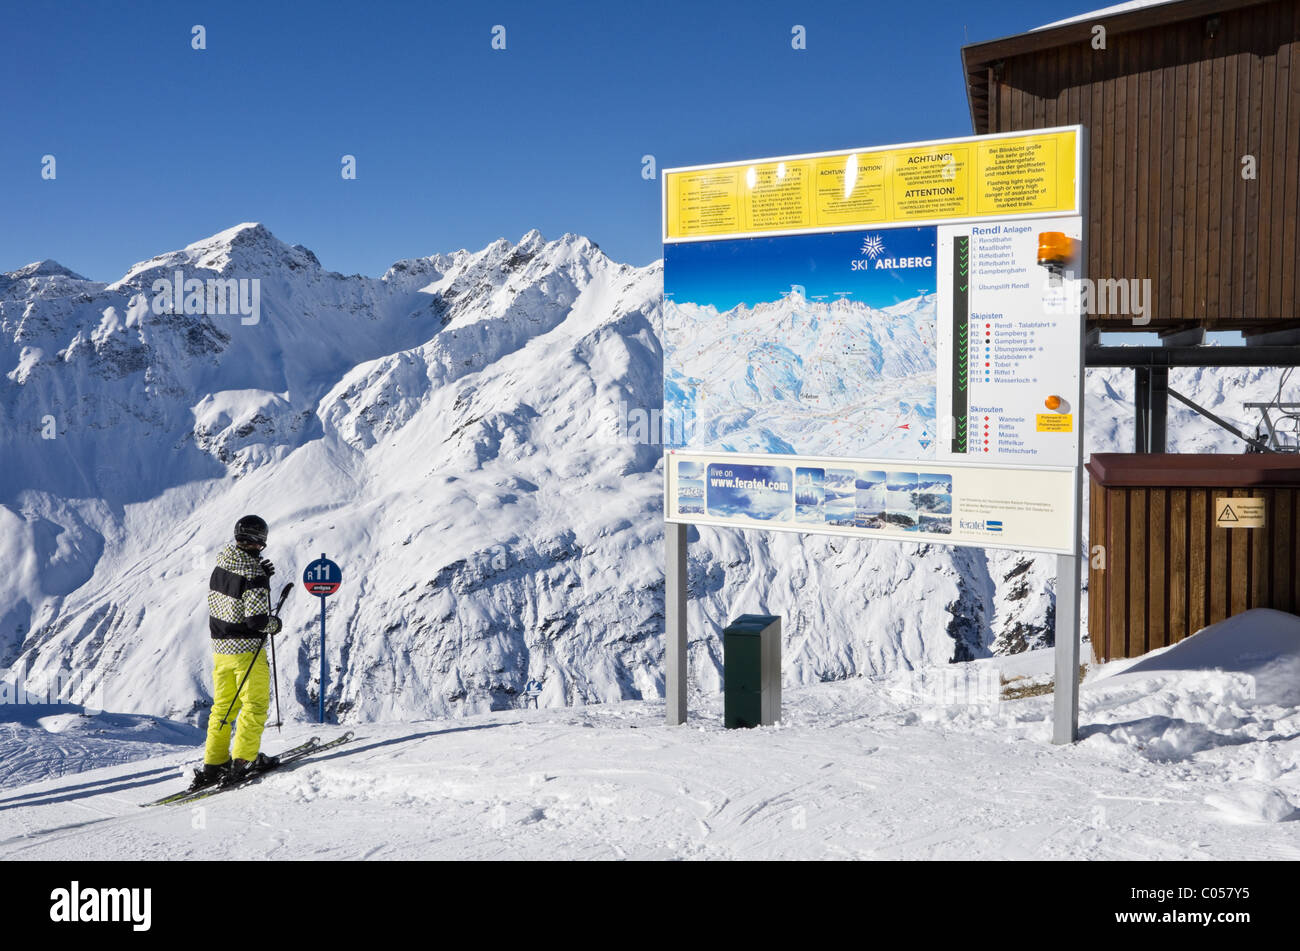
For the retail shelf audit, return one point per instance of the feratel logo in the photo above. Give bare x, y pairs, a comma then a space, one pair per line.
78, 904
979, 525
873, 247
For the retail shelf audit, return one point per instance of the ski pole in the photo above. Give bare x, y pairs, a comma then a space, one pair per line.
284, 593
275, 680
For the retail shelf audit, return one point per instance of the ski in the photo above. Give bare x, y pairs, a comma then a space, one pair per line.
287, 756
287, 759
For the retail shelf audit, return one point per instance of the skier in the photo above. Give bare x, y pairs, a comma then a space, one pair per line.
239, 605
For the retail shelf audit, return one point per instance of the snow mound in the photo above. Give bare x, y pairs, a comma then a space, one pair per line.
1228, 693
1261, 643
1253, 804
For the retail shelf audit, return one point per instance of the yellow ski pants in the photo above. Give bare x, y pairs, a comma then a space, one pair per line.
249, 714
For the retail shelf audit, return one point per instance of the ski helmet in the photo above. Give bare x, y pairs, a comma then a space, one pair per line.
250, 530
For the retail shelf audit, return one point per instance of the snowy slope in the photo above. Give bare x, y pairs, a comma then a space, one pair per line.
356, 417
1194, 756
451, 434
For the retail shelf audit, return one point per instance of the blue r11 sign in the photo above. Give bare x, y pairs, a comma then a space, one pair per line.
322, 578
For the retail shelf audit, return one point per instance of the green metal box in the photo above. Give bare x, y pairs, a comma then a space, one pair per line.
751, 671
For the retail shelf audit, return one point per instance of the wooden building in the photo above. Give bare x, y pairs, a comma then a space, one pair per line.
1193, 115
1169, 558
1193, 112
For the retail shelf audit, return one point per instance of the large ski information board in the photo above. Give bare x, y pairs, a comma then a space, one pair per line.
883, 342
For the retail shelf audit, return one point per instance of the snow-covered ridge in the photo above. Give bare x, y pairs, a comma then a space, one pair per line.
452, 434
44, 279
46, 268
248, 247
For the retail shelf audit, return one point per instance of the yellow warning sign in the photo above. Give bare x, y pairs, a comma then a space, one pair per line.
707, 203
777, 195
930, 183
1239, 513
982, 176
1022, 174
1056, 422
850, 190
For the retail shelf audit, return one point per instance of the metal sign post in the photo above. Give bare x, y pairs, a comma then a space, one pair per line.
675, 595
322, 578
1069, 568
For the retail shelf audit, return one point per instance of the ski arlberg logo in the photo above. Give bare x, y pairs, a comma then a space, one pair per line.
873, 246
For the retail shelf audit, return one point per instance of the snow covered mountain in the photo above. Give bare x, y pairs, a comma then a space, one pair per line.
769, 378
453, 433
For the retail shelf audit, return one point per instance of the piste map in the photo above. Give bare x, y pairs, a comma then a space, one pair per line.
815, 345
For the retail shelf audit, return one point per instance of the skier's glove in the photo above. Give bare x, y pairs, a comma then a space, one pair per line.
273, 626
268, 567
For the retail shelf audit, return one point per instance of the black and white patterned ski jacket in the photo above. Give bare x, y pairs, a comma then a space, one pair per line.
239, 602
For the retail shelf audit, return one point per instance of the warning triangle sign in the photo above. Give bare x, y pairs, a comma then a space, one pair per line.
1227, 515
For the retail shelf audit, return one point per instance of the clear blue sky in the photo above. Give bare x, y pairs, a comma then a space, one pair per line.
158, 145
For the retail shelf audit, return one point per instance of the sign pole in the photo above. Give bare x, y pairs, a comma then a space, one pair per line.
322, 658
1069, 628
1065, 693
322, 578
675, 665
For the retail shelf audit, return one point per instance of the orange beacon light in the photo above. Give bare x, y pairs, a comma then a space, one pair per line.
1055, 249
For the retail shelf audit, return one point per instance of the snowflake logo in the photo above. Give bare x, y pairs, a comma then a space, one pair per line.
873, 246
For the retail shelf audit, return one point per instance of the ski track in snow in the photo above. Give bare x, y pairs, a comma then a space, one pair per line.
856, 770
